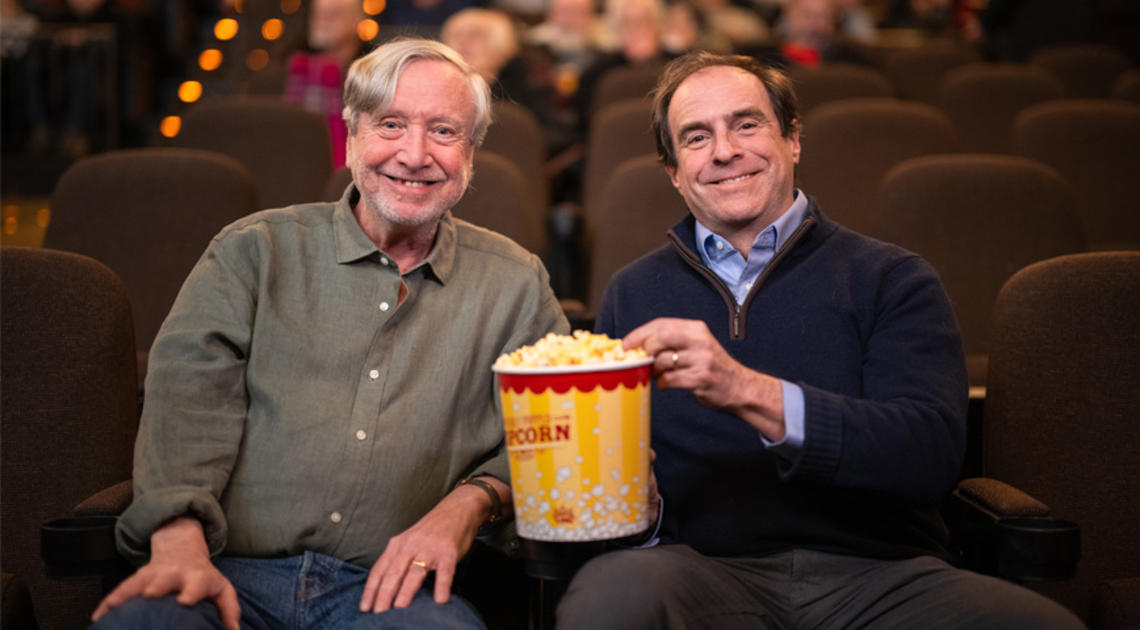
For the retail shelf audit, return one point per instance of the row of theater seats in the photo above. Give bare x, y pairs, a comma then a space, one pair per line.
1085, 153
1059, 424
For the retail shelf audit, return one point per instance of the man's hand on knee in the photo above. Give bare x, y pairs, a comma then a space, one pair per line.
180, 563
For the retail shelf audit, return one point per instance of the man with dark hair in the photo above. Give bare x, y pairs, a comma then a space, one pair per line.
809, 417
320, 432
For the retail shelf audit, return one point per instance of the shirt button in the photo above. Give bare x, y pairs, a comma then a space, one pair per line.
374, 374
335, 517
720, 245
384, 306
384, 261
360, 435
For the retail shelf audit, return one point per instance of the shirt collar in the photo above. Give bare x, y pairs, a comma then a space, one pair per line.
777, 233
352, 244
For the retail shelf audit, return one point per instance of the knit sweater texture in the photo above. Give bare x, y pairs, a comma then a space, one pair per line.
866, 329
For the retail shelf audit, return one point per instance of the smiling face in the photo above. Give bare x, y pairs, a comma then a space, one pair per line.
734, 169
412, 161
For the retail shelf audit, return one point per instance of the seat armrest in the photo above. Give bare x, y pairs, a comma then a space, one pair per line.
1000, 530
83, 543
110, 501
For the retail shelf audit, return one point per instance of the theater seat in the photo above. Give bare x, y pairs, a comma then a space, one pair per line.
1061, 417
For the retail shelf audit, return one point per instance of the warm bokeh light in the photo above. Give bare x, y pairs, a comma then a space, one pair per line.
289, 7
170, 126
374, 7
272, 29
43, 217
11, 219
239, 6
226, 28
190, 91
257, 59
367, 30
210, 59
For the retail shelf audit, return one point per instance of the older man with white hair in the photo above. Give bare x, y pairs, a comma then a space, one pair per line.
319, 433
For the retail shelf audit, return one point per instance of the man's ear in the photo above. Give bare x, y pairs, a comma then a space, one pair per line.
793, 140
672, 172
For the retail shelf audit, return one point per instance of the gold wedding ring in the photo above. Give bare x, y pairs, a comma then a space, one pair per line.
675, 357
420, 563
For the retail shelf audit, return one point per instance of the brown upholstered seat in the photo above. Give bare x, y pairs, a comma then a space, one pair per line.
1095, 144
70, 409
517, 135
977, 219
626, 82
915, 72
837, 81
148, 214
1127, 86
638, 206
499, 199
287, 148
618, 132
982, 100
849, 145
1062, 407
1086, 70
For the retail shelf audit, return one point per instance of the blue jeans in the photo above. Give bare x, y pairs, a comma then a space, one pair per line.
308, 591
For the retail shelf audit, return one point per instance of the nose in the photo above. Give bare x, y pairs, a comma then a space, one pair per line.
725, 148
413, 149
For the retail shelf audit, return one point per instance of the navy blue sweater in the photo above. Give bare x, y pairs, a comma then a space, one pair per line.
866, 329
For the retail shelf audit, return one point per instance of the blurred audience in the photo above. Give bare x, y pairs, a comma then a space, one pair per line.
807, 36
570, 35
741, 27
423, 12
684, 28
316, 74
855, 21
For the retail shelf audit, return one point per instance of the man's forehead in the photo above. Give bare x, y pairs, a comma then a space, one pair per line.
708, 86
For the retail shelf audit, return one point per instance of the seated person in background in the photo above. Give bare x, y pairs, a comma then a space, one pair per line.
486, 39
570, 35
684, 28
807, 36
741, 27
808, 418
637, 29
319, 404
315, 75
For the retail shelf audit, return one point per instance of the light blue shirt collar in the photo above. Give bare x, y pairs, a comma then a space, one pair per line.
731, 267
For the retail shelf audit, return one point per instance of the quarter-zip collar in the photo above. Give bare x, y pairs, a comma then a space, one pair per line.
683, 238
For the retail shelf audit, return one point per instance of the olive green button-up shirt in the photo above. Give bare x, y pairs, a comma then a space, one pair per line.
292, 404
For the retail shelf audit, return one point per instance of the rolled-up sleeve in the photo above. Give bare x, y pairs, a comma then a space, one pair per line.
195, 404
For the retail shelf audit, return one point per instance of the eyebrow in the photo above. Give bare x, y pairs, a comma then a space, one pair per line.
747, 112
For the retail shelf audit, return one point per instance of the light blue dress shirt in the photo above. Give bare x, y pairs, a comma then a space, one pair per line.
739, 275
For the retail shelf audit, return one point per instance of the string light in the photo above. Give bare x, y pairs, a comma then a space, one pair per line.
170, 126
210, 59
272, 29
189, 91
226, 29
367, 30
374, 7
257, 59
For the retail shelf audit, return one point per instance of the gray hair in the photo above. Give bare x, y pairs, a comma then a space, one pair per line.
371, 83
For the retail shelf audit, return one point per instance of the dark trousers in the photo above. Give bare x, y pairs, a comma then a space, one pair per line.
673, 586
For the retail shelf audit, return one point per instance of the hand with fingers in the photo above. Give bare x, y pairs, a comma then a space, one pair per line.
435, 543
180, 563
688, 356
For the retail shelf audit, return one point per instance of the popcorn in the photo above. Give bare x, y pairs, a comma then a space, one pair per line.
581, 348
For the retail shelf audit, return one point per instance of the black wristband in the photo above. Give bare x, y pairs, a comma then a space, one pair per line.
496, 501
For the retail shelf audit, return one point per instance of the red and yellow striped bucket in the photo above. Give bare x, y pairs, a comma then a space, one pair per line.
578, 443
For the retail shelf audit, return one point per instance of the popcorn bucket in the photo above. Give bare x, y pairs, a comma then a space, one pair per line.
578, 444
